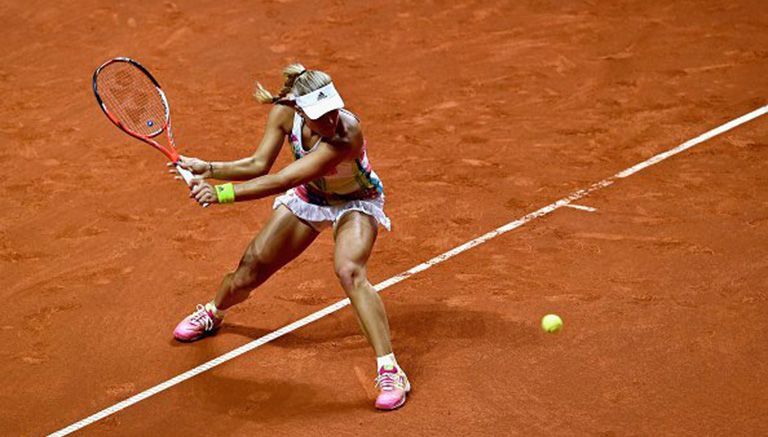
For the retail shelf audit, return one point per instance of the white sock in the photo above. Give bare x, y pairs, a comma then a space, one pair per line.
210, 306
386, 360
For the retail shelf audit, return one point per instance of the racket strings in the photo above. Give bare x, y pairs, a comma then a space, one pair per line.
132, 98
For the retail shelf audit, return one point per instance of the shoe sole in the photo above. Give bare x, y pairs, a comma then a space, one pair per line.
188, 340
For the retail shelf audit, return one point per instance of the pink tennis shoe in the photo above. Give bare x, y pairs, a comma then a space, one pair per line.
393, 385
196, 325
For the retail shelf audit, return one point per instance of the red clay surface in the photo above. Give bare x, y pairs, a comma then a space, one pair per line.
476, 112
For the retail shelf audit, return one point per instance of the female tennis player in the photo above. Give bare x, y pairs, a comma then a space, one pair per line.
329, 185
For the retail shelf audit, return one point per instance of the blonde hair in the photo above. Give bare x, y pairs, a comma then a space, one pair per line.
298, 80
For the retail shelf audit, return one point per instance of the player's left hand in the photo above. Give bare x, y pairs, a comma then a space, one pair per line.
203, 192
196, 166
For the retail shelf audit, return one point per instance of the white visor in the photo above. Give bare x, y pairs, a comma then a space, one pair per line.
320, 101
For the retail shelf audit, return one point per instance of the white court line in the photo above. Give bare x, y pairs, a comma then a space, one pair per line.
581, 207
402, 276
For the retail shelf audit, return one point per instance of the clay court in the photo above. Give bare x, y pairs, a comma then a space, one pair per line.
477, 114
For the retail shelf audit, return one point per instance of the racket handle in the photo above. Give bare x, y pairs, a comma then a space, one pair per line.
187, 176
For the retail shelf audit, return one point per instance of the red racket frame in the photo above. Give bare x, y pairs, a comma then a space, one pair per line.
169, 151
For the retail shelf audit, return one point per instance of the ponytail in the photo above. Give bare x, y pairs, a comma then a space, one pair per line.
291, 73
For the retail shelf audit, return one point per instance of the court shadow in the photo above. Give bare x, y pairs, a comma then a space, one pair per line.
416, 330
269, 400
291, 339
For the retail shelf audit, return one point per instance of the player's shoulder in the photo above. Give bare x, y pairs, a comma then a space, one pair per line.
281, 115
349, 117
281, 112
352, 136
352, 124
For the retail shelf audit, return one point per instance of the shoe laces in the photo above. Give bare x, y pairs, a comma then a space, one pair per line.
202, 317
390, 380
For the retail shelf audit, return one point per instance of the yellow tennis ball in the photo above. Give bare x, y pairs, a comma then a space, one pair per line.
551, 323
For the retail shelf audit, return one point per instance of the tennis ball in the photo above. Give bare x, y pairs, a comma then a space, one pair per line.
551, 323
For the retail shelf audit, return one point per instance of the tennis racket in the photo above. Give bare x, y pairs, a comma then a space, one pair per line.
132, 99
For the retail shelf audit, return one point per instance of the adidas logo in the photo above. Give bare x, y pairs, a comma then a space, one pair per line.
321, 96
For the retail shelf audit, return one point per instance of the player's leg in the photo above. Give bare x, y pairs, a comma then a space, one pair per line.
281, 240
355, 235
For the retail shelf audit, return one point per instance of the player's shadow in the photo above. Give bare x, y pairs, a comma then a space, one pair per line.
269, 400
291, 339
416, 330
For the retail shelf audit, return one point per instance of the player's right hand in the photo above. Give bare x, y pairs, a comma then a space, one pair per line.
197, 167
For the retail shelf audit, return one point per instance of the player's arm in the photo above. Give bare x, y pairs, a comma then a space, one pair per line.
262, 160
247, 168
318, 163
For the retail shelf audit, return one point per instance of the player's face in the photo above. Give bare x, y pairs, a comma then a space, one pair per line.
325, 125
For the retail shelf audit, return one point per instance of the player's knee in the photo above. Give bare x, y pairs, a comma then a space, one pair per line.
351, 275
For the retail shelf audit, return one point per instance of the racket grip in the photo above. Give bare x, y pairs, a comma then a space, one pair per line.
187, 176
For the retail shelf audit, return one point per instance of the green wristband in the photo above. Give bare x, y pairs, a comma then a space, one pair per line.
225, 193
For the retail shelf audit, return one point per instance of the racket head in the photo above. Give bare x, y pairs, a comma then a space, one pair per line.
132, 99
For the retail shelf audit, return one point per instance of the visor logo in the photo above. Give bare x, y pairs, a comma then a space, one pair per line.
321, 96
